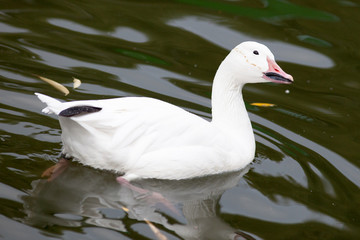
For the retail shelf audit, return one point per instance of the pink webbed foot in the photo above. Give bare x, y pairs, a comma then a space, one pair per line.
153, 196
54, 171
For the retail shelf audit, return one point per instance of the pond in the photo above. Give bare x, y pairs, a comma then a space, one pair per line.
305, 178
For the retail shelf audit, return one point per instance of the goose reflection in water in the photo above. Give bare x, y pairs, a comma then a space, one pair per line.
82, 195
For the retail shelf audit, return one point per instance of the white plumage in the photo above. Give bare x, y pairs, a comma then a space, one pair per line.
148, 138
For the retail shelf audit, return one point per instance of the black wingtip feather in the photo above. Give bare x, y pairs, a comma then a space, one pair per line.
77, 110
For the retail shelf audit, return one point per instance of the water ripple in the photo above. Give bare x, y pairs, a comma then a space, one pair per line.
213, 32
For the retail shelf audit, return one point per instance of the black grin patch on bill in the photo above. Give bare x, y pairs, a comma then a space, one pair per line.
277, 77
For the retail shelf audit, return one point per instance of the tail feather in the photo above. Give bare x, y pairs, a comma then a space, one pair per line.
53, 105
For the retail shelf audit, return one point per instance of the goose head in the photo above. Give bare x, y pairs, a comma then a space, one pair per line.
252, 62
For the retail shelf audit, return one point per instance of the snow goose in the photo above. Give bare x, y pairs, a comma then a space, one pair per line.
143, 137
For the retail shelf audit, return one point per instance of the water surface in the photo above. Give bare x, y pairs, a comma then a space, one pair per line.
304, 181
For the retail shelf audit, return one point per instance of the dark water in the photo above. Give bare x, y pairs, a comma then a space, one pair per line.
304, 182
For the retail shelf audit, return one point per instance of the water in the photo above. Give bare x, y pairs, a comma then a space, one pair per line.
304, 182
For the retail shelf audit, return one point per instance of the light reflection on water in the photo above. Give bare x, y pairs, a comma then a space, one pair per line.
213, 32
304, 182
124, 33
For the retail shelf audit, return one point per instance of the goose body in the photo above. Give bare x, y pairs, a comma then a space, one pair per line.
148, 138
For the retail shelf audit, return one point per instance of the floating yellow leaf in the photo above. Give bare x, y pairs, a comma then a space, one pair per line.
125, 209
263, 104
77, 83
155, 230
56, 85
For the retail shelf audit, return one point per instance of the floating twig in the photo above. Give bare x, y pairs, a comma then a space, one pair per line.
263, 104
155, 230
56, 85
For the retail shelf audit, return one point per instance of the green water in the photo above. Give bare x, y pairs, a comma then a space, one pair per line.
304, 181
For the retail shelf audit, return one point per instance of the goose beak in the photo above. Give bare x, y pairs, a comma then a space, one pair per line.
276, 74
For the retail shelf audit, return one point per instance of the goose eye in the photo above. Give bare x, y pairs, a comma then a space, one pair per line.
256, 52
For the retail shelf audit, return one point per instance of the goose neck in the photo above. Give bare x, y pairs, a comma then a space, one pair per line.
228, 107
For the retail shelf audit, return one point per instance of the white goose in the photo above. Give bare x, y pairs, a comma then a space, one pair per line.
148, 138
